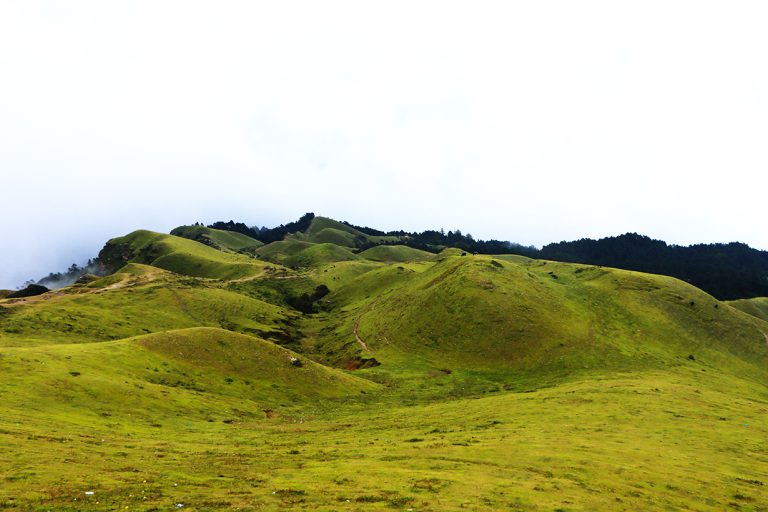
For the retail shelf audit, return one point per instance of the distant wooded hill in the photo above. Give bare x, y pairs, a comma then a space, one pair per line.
727, 271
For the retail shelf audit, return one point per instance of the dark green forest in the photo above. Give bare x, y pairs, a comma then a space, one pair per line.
727, 271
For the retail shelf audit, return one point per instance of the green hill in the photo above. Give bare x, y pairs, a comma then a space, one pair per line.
325, 230
395, 253
320, 224
178, 255
137, 300
334, 236
279, 252
320, 254
180, 375
217, 238
299, 253
757, 307
539, 323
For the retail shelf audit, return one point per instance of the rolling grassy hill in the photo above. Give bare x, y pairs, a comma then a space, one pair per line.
104, 313
186, 380
325, 230
217, 238
395, 253
757, 307
279, 252
179, 255
320, 254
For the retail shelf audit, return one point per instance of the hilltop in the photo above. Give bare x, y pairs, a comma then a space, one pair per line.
327, 366
727, 270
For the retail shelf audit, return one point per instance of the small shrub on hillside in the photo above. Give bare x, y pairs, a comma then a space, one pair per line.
30, 291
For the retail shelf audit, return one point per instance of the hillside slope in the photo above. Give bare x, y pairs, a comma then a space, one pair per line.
757, 307
540, 322
217, 238
195, 373
395, 253
139, 299
179, 255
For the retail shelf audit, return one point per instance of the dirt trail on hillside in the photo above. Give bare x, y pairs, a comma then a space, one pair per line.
360, 340
357, 336
264, 275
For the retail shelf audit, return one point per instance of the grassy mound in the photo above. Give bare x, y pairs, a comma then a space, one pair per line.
137, 300
179, 255
319, 224
279, 252
513, 258
320, 254
395, 253
335, 236
757, 307
255, 359
323, 229
217, 238
189, 374
544, 321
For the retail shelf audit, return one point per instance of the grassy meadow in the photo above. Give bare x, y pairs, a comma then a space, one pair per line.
187, 381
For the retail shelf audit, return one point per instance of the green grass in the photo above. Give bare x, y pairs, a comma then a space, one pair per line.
334, 236
395, 253
513, 258
217, 238
504, 384
650, 441
319, 224
323, 229
757, 307
112, 309
179, 255
279, 252
299, 253
320, 254
539, 322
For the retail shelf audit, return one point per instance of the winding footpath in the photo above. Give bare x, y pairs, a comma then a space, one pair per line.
355, 329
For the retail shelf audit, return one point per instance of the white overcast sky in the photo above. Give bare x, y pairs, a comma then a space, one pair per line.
526, 121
